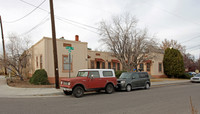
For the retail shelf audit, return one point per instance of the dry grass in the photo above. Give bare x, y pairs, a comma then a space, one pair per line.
16, 82
165, 79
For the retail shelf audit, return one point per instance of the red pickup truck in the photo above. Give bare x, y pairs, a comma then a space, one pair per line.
90, 80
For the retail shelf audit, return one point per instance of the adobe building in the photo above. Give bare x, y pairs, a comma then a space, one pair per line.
81, 58
42, 57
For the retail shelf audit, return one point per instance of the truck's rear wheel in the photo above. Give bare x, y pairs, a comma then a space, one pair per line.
78, 91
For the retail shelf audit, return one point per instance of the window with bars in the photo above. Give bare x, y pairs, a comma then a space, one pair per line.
160, 67
141, 66
148, 67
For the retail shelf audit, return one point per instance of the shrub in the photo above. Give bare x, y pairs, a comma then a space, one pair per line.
173, 63
118, 73
39, 77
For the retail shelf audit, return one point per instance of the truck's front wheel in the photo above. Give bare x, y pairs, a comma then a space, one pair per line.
78, 91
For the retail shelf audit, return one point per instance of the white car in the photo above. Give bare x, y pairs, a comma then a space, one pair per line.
196, 78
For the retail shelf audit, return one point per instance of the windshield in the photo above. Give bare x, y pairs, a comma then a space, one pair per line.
125, 75
198, 75
82, 74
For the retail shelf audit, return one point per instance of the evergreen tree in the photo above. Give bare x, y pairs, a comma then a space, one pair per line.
173, 63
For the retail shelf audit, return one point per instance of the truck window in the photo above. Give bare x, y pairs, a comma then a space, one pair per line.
94, 73
107, 73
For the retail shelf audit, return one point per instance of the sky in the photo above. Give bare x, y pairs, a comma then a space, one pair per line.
165, 19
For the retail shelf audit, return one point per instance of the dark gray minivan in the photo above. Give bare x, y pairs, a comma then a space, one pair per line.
133, 80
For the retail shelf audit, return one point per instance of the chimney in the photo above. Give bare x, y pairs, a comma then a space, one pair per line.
76, 38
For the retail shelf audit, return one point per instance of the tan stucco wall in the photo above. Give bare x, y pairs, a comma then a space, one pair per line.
106, 56
80, 58
78, 55
158, 58
45, 48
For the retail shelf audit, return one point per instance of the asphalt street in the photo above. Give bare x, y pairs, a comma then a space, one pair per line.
165, 99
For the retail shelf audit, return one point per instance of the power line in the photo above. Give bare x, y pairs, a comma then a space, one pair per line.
36, 26
34, 6
76, 25
191, 39
26, 14
193, 47
172, 13
60, 16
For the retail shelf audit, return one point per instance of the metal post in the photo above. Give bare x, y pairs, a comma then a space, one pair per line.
69, 64
4, 52
54, 46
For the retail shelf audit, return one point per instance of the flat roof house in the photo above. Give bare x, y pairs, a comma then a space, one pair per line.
42, 57
81, 58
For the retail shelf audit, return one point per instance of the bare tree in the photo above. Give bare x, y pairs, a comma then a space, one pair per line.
128, 43
17, 54
172, 44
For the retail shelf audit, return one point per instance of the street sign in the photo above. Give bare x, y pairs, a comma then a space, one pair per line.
69, 48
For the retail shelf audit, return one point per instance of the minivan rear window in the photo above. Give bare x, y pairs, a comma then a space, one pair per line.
107, 73
143, 75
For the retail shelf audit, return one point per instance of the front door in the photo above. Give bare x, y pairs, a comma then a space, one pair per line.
97, 65
135, 80
94, 80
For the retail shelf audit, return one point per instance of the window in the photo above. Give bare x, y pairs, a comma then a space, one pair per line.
103, 65
135, 75
66, 64
66, 44
118, 66
143, 75
94, 73
37, 62
92, 64
107, 73
114, 66
109, 65
141, 67
40, 61
148, 66
160, 67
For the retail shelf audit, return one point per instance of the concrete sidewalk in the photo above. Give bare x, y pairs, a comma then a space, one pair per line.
12, 92
7, 91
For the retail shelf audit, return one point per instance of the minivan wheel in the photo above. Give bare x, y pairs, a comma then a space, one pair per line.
109, 89
147, 86
128, 88
78, 92
67, 92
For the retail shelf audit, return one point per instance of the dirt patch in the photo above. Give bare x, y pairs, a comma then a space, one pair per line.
16, 82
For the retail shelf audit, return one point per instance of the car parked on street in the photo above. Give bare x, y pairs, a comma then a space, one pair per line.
133, 80
195, 78
90, 80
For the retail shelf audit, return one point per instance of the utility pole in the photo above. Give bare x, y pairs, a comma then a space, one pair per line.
4, 52
54, 45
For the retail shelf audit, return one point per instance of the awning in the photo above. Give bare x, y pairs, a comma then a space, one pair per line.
115, 61
147, 61
99, 59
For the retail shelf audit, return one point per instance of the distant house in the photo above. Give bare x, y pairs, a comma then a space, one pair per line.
82, 58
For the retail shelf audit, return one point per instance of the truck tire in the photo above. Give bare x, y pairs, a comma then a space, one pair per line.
78, 91
109, 89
